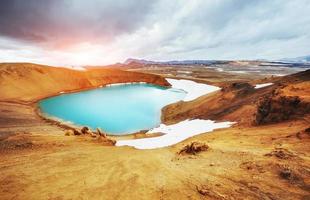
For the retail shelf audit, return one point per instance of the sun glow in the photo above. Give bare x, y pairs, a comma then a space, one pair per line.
86, 53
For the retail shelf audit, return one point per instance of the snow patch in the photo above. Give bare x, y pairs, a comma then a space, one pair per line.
184, 72
239, 72
174, 133
192, 88
129, 83
262, 85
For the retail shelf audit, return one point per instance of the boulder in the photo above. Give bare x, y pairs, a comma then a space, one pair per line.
194, 148
100, 133
76, 132
85, 130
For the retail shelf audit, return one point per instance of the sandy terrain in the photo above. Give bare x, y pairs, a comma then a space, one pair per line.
264, 156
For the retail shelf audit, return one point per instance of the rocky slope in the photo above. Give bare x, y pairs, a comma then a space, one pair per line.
287, 98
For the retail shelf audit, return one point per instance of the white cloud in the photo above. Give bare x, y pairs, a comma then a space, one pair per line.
181, 29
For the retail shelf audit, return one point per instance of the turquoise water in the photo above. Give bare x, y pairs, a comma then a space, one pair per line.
118, 110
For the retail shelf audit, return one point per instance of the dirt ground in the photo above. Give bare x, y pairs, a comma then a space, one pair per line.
241, 163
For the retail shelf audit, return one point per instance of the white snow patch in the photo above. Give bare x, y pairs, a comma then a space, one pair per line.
238, 72
128, 83
219, 69
262, 85
184, 72
174, 133
193, 89
114, 84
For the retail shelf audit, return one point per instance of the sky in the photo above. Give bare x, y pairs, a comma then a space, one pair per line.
100, 32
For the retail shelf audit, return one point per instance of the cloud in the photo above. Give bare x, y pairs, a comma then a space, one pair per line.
63, 23
112, 30
229, 30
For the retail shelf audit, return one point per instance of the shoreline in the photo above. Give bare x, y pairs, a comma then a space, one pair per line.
71, 126
204, 89
89, 88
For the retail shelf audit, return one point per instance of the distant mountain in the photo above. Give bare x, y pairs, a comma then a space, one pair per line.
301, 62
140, 61
174, 62
301, 59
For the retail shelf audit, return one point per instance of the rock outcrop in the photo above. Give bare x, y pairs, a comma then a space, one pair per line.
273, 109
